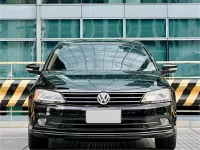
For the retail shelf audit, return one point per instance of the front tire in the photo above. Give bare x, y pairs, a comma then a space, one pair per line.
166, 143
37, 143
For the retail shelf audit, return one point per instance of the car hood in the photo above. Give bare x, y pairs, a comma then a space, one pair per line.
103, 81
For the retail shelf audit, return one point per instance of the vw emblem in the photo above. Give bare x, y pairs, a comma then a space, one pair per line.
103, 98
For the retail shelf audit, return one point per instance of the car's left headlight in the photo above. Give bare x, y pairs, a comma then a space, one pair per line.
45, 96
157, 96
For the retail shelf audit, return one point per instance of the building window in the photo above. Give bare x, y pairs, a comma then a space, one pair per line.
157, 49
185, 51
23, 51
17, 29
102, 1
61, 29
16, 52
145, 28
60, 1
184, 1
103, 28
17, 1
46, 48
184, 27
146, 1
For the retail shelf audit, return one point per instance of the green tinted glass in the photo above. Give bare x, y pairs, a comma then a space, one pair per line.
17, 1
184, 1
23, 51
184, 28
61, 29
16, 52
18, 72
157, 49
60, 1
17, 29
146, 1
185, 51
102, 1
100, 28
145, 28
47, 47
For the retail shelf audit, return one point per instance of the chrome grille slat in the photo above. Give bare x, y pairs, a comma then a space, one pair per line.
89, 93
90, 98
97, 102
79, 98
107, 125
96, 97
82, 102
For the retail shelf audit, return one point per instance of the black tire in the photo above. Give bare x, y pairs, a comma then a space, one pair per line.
166, 143
37, 143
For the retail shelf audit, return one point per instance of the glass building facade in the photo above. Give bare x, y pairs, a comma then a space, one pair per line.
29, 29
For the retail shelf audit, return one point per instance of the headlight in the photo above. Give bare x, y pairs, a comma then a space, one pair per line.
163, 95
45, 96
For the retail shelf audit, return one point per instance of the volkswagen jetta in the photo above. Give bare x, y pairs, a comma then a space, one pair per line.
101, 89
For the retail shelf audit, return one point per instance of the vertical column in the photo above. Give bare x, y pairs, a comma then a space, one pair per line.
167, 39
81, 22
81, 28
38, 31
124, 22
124, 28
167, 28
167, 32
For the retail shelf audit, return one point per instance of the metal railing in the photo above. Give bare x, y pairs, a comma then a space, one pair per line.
10, 114
10, 73
178, 62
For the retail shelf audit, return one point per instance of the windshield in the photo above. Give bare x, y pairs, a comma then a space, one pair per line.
100, 56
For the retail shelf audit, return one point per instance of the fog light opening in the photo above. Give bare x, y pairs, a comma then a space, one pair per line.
42, 121
164, 121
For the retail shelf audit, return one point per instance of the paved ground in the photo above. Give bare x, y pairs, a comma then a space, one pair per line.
16, 139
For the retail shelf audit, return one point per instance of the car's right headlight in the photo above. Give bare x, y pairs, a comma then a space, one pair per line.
163, 95
45, 96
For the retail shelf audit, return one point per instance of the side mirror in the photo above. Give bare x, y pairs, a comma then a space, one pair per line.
33, 68
169, 68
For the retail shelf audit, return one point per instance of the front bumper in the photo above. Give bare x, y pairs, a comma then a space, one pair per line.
142, 121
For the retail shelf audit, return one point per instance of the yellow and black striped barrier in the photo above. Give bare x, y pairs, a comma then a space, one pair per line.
15, 92
187, 92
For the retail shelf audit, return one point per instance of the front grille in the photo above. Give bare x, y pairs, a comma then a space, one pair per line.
90, 98
75, 121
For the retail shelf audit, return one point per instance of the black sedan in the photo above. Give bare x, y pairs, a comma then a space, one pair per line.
101, 89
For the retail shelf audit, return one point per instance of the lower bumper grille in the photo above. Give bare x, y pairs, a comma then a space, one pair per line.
75, 121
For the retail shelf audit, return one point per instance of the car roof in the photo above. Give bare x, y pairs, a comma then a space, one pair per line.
119, 41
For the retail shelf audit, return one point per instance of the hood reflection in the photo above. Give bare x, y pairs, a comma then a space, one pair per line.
104, 80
